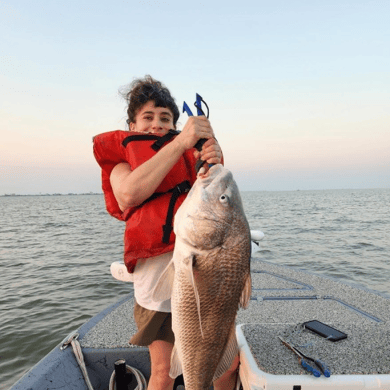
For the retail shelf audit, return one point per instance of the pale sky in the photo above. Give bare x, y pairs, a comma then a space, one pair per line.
299, 91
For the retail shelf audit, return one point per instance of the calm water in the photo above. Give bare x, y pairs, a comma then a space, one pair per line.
55, 253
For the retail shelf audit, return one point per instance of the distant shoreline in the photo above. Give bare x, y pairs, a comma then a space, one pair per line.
243, 191
56, 194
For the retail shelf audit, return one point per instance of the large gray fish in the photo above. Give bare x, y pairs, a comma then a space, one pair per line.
208, 278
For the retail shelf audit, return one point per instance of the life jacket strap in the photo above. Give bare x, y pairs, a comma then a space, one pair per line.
184, 186
160, 140
165, 138
139, 137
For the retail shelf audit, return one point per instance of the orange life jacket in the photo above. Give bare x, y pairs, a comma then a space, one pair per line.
148, 230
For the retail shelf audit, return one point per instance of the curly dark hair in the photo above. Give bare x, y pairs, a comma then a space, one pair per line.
141, 91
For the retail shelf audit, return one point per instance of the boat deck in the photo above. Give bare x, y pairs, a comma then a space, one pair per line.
282, 298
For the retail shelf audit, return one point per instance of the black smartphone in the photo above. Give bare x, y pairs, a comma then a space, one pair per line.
324, 330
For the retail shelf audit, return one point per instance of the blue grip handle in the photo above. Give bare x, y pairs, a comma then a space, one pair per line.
310, 369
324, 368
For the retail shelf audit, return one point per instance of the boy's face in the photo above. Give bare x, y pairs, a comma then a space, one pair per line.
152, 119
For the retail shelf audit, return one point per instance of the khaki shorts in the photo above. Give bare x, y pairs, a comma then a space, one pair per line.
152, 325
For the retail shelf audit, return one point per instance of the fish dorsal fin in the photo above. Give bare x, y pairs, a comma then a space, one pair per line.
246, 292
176, 368
230, 352
163, 289
189, 273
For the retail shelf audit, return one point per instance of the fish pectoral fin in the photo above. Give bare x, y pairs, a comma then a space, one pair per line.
176, 368
230, 352
189, 273
246, 292
163, 289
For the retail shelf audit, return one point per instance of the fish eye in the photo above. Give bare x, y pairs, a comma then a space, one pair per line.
223, 198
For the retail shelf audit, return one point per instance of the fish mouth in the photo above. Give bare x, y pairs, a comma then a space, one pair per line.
205, 178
